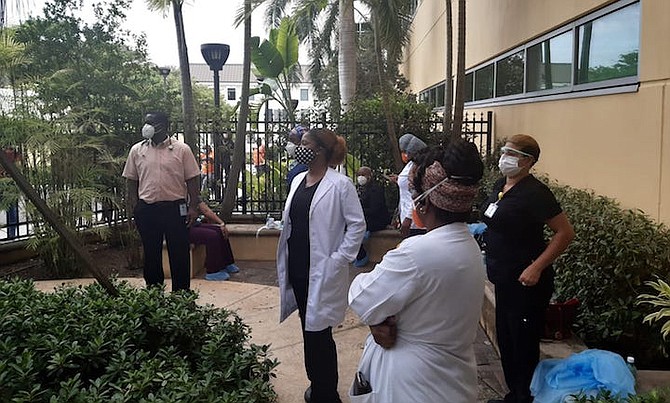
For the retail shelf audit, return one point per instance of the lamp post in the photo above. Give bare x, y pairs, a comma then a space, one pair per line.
165, 72
216, 54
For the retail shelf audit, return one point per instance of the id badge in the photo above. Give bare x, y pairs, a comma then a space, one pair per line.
491, 210
183, 210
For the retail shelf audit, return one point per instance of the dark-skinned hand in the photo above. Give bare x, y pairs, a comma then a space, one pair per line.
385, 333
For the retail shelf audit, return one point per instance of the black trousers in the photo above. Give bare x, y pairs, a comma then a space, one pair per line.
520, 315
320, 352
163, 220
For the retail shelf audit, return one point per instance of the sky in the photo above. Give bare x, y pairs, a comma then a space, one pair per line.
205, 21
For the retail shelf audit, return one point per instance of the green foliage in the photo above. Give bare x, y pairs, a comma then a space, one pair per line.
605, 396
78, 344
365, 119
659, 301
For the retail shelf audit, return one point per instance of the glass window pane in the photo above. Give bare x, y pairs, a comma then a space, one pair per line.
304, 94
609, 46
509, 80
231, 94
549, 63
440, 95
484, 83
468, 87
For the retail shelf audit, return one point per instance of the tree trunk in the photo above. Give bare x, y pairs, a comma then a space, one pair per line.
347, 54
240, 135
448, 82
186, 88
52, 218
386, 103
460, 73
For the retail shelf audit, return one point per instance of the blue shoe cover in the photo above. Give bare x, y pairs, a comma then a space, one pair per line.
218, 276
232, 268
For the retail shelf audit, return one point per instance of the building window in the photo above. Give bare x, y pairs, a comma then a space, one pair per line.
469, 89
231, 94
484, 83
304, 94
509, 75
549, 63
597, 51
609, 46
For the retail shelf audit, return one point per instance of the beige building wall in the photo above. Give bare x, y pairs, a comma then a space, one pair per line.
617, 145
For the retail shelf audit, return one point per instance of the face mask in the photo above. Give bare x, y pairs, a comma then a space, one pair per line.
148, 131
404, 157
290, 149
304, 155
362, 180
509, 166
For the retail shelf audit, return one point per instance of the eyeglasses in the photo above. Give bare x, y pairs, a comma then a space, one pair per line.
515, 153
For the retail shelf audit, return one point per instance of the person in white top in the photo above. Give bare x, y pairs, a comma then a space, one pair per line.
409, 146
423, 300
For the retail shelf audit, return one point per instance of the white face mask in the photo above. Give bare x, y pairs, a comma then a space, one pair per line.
509, 166
290, 149
148, 131
362, 180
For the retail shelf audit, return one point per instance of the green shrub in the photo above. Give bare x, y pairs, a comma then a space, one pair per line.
614, 252
78, 344
605, 396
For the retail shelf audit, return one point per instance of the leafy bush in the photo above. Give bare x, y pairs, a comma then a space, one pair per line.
605, 396
78, 344
614, 252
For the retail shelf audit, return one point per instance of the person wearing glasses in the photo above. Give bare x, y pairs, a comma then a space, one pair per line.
519, 260
422, 302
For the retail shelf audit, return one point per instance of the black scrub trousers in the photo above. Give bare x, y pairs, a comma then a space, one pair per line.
320, 349
156, 221
514, 238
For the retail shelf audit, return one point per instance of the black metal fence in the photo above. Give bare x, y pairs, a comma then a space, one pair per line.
263, 186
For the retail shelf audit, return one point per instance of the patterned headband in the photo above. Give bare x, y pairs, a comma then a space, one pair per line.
450, 195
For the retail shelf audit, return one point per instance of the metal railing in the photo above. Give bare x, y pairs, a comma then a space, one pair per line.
263, 187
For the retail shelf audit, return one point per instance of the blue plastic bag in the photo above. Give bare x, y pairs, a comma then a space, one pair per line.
555, 380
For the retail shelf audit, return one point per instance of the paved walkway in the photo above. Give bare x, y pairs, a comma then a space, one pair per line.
258, 306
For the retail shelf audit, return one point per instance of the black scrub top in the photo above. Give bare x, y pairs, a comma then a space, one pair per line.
515, 233
298, 242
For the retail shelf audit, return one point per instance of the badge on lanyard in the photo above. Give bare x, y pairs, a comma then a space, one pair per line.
183, 210
491, 209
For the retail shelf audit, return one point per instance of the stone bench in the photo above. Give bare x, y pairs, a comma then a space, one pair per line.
198, 255
249, 243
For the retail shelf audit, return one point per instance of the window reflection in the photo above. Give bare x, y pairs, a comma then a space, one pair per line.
549, 63
609, 46
509, 79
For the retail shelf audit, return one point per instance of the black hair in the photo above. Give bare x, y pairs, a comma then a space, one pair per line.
160, 117
461, 161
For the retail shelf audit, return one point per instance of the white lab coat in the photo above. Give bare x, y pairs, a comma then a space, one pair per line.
336, 229
434, 285
405, 203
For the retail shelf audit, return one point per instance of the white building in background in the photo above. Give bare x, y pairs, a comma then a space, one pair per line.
230, 86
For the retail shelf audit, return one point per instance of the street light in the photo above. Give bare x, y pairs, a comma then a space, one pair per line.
215, 55
165, 72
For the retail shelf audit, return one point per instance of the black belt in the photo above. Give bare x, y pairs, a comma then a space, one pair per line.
165, 203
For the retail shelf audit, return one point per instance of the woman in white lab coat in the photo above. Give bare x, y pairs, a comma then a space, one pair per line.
423, 300
323, 230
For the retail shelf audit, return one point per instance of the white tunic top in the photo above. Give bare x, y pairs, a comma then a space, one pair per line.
434, 284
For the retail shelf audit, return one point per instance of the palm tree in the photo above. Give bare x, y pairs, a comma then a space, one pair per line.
184, 68
448, 82
240, 134
460, 73
346, 61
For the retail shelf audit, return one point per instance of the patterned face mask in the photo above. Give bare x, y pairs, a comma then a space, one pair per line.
304, 155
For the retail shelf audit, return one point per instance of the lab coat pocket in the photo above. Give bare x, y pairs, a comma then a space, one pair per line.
366, 398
